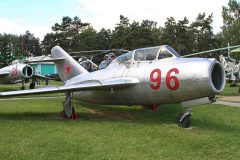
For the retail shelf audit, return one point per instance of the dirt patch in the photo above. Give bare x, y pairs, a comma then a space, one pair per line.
235, 99
95, 112
102, 114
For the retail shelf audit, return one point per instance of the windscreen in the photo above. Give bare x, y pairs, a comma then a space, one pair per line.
146, 54
125, 57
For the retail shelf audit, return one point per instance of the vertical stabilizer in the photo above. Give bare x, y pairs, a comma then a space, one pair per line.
68, 67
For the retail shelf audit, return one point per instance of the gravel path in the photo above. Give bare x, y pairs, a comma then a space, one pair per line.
234, 104
230, 99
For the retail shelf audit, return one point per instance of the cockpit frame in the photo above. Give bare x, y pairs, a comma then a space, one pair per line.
155, 52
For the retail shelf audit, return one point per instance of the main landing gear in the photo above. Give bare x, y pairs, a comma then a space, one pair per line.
68, 109
32, 84
151, 107
184, 119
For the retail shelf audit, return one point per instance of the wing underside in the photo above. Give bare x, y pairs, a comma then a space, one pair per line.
3, 73
83, 86
42, 59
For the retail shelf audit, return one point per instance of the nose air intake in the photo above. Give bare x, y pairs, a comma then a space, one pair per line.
217, 77
27, 71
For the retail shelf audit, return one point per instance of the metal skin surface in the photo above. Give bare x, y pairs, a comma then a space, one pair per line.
194, 82
15, 72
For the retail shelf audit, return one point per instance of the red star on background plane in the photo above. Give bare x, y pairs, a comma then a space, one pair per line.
68, 69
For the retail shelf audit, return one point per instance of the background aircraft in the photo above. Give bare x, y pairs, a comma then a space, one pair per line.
19, 72
147, 76
16, 73
93, 60
231, 65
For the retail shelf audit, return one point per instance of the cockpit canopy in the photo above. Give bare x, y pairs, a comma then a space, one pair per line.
149, 54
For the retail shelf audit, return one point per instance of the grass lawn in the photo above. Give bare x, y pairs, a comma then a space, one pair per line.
231, 91
14, 87
32, 129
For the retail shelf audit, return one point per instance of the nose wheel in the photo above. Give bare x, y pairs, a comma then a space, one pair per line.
23, 85
32, 85
184, 119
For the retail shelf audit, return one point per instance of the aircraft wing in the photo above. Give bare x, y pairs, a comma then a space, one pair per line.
83, 86
42, 59
3, 73
35, 76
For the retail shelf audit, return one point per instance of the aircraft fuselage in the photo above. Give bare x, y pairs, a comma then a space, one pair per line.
164, 81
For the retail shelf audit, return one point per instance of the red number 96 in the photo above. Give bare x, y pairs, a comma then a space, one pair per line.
155, 77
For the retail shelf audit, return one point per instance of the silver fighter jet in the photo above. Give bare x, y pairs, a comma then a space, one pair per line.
19, 72
146, 76
15, 73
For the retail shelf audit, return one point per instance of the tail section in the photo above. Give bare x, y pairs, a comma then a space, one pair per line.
67, 68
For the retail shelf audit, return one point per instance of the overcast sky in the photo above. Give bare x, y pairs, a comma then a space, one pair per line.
37, 16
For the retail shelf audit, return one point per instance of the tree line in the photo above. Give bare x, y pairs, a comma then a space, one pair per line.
17, 46
74, 35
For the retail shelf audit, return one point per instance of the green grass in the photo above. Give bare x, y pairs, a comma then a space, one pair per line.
32, 129
4, 87
14, 87
230, 91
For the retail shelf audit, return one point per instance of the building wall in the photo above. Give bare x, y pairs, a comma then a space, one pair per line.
44, 68
47, 69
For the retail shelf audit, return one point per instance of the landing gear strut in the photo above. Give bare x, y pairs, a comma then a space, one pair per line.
184, 119
68, 109
23, 85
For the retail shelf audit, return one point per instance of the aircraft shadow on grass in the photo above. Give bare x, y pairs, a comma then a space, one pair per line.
165, 114
91, 112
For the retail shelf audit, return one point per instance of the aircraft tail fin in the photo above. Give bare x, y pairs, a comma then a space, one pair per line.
67, 67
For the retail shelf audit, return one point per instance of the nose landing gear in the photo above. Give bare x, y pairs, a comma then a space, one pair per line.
184, 119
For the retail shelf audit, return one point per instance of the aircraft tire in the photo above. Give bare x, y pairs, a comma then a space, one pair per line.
179, 116
32, 86
186, 122
22, 88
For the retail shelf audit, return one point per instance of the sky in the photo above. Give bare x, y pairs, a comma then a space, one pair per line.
38, 16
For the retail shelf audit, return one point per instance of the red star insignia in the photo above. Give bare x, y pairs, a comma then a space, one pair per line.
68, 69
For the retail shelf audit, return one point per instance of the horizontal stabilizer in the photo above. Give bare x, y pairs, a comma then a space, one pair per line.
83, 86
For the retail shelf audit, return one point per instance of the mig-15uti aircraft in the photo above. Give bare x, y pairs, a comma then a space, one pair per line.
18, 72
146, 76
